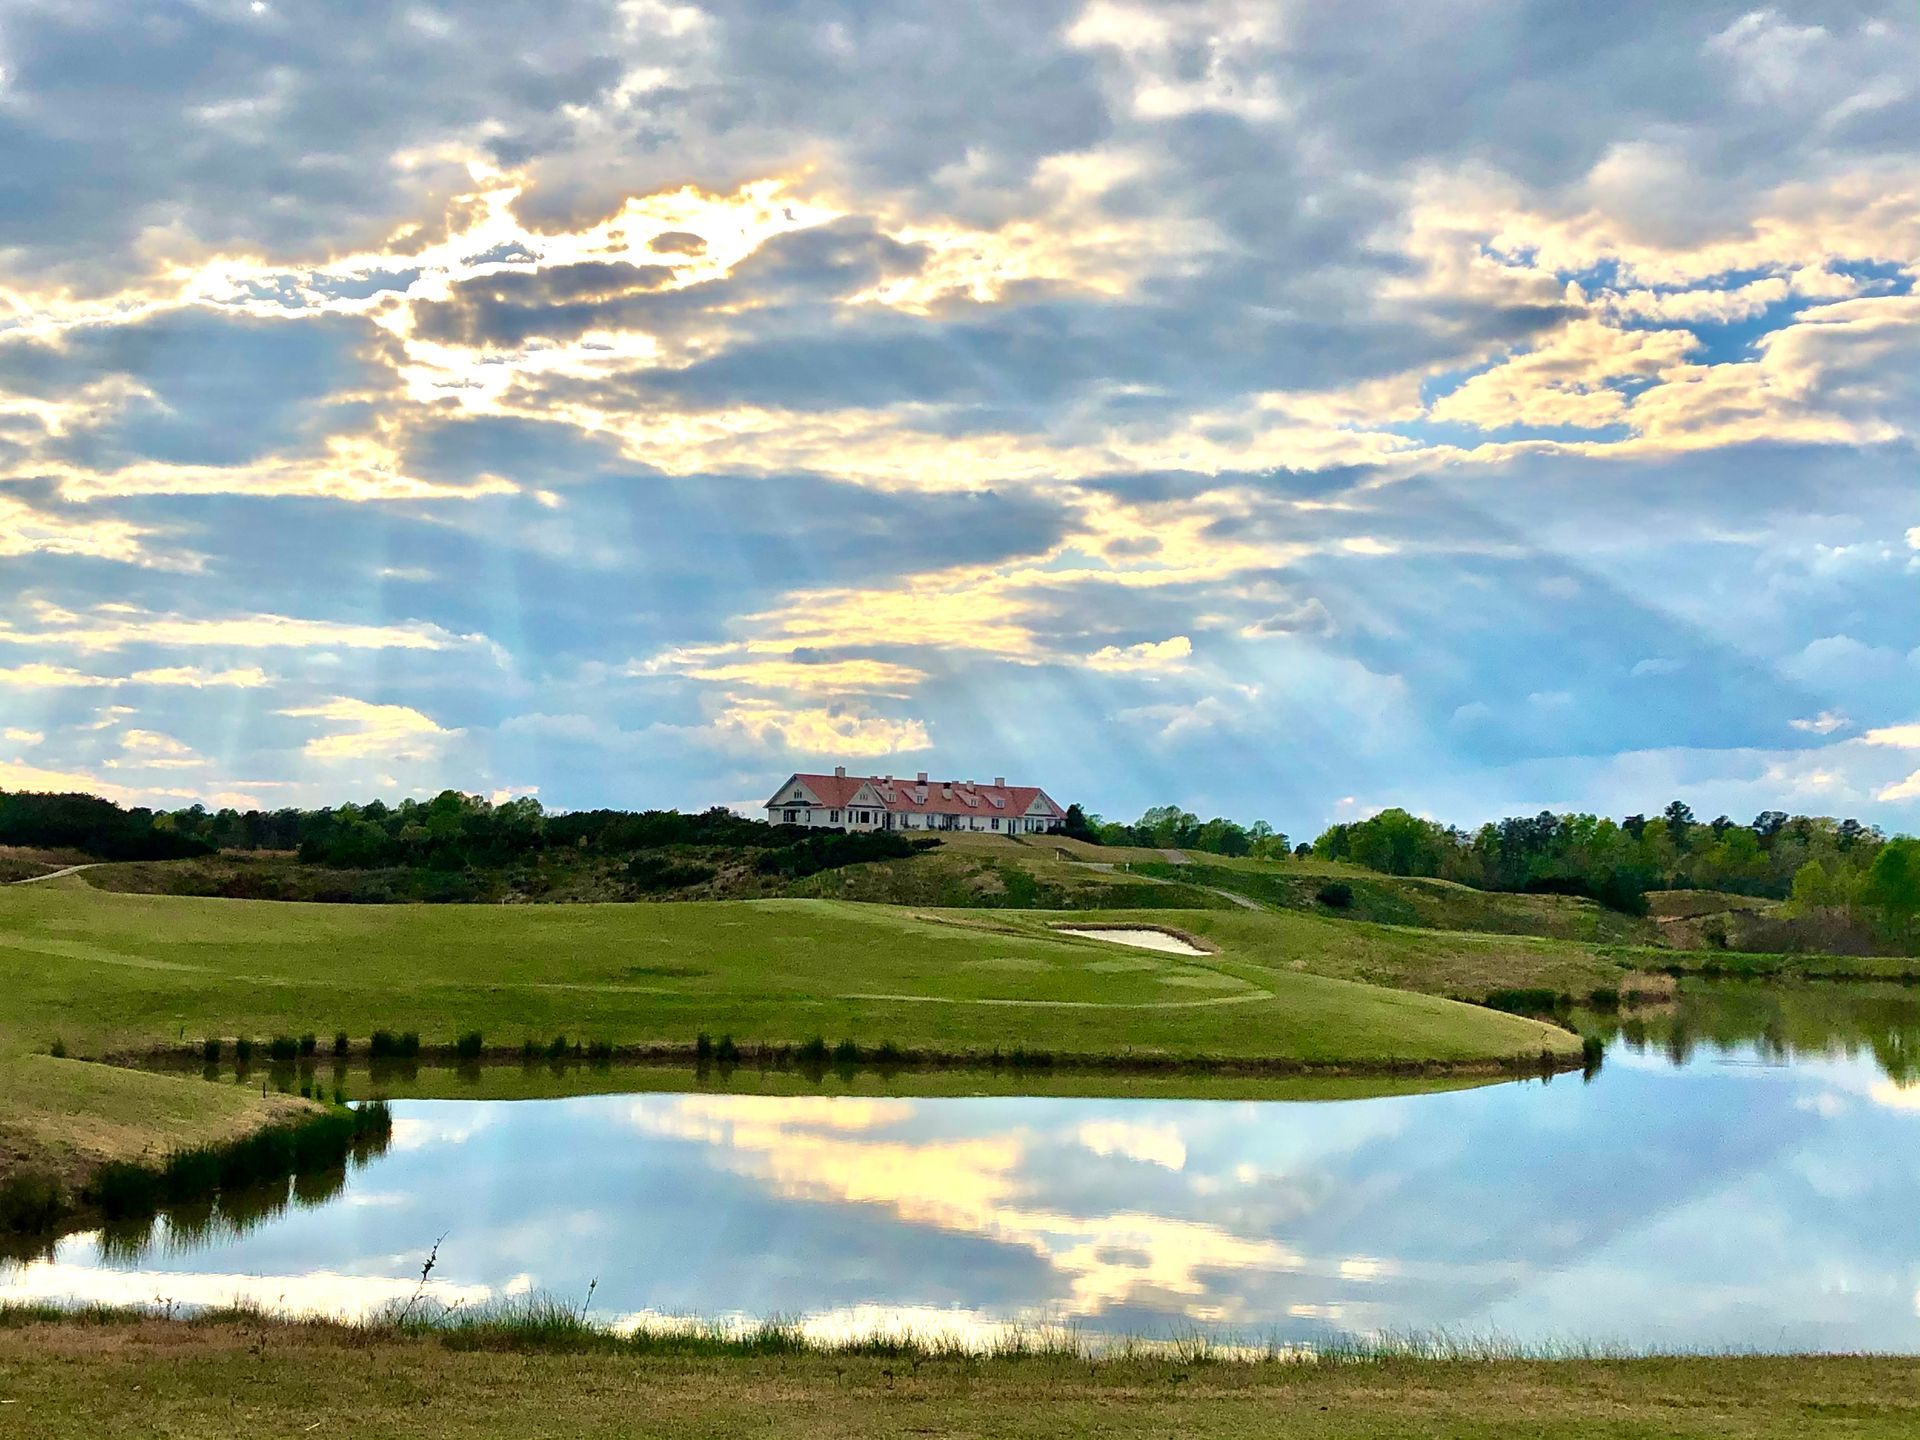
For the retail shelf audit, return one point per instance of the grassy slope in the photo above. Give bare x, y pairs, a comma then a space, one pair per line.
159, 969
170, 1378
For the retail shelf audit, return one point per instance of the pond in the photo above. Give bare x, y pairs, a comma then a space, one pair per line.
1743, 1172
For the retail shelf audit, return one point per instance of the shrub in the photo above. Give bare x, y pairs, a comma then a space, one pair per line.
846, 1053
1538, 1001
309, 1044
1335, 895
210, 1050
814, 1052
654, 872
243, 1049
58, 1050
557, 1048
283, 1047
409, 1045
703, 1047
468, 1046
340, 1042
381, 1046
30, 1202
726, 1052
600, 1052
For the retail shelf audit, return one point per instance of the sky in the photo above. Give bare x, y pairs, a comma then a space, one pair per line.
1279, 409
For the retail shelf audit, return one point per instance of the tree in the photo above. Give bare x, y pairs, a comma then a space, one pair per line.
1078, 827
1892, 887
1769, 823
1679, 816
1813, 890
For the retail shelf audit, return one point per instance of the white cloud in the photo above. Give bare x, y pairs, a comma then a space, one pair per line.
1905, 737
364, 729
1825, 723
1148, 655
820, 731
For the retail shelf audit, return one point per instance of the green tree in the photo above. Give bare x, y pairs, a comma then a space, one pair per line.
1892, 887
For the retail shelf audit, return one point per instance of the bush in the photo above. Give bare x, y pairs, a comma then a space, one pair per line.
243, 1050
30, 1202
600, 1052
726, 1052
340, 1042
283, 1047
469, 1045
309, 1044
653, 872
381, 1045
846, 1053
210, 1050
1335, 895
58, 1050
1537, 1001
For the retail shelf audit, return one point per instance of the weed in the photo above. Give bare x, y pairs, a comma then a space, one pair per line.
243, 1050
58, 1050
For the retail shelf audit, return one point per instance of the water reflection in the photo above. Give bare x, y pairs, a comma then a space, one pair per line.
1743, 1173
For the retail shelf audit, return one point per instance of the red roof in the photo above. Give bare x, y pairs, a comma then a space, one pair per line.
935, 797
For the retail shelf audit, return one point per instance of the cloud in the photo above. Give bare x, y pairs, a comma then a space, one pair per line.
115, 626
823, 732
59, 677
1147, 656
1905, 737
1825, 723
364, 730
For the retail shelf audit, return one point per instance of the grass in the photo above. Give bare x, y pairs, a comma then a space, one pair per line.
156, 970
112, 1373
210, 977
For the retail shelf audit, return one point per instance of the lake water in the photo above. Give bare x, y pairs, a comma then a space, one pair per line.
1743, 1173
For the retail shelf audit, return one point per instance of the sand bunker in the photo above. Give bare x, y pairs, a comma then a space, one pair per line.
1145, 939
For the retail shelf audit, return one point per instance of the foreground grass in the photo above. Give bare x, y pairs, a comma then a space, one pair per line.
228, 1375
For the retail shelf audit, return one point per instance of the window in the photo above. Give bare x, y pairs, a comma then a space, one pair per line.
836, 817
996, 822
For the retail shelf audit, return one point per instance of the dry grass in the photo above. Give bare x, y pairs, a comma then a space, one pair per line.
221, 1378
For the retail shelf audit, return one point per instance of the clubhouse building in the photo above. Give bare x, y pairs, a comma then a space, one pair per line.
880, 802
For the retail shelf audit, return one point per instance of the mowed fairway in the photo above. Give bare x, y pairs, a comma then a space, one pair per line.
107, 972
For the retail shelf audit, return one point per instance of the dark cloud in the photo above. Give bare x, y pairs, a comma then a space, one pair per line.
212, 389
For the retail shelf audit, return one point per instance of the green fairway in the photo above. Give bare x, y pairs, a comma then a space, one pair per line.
108, 972
99, 973
176, 1378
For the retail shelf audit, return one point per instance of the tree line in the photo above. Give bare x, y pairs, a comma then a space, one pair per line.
1817, 863
450, 832
1168, 827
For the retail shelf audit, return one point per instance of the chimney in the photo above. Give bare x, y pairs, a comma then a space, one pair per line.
839, 772
923, 778
999, 782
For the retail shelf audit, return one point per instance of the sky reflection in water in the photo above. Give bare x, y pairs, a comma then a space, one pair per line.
1758, 1194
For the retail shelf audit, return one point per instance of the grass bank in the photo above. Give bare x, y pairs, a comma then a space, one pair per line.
157, 970
87, 973
114, 1374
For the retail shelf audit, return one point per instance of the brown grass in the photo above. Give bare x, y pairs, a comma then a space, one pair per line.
248, 1377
